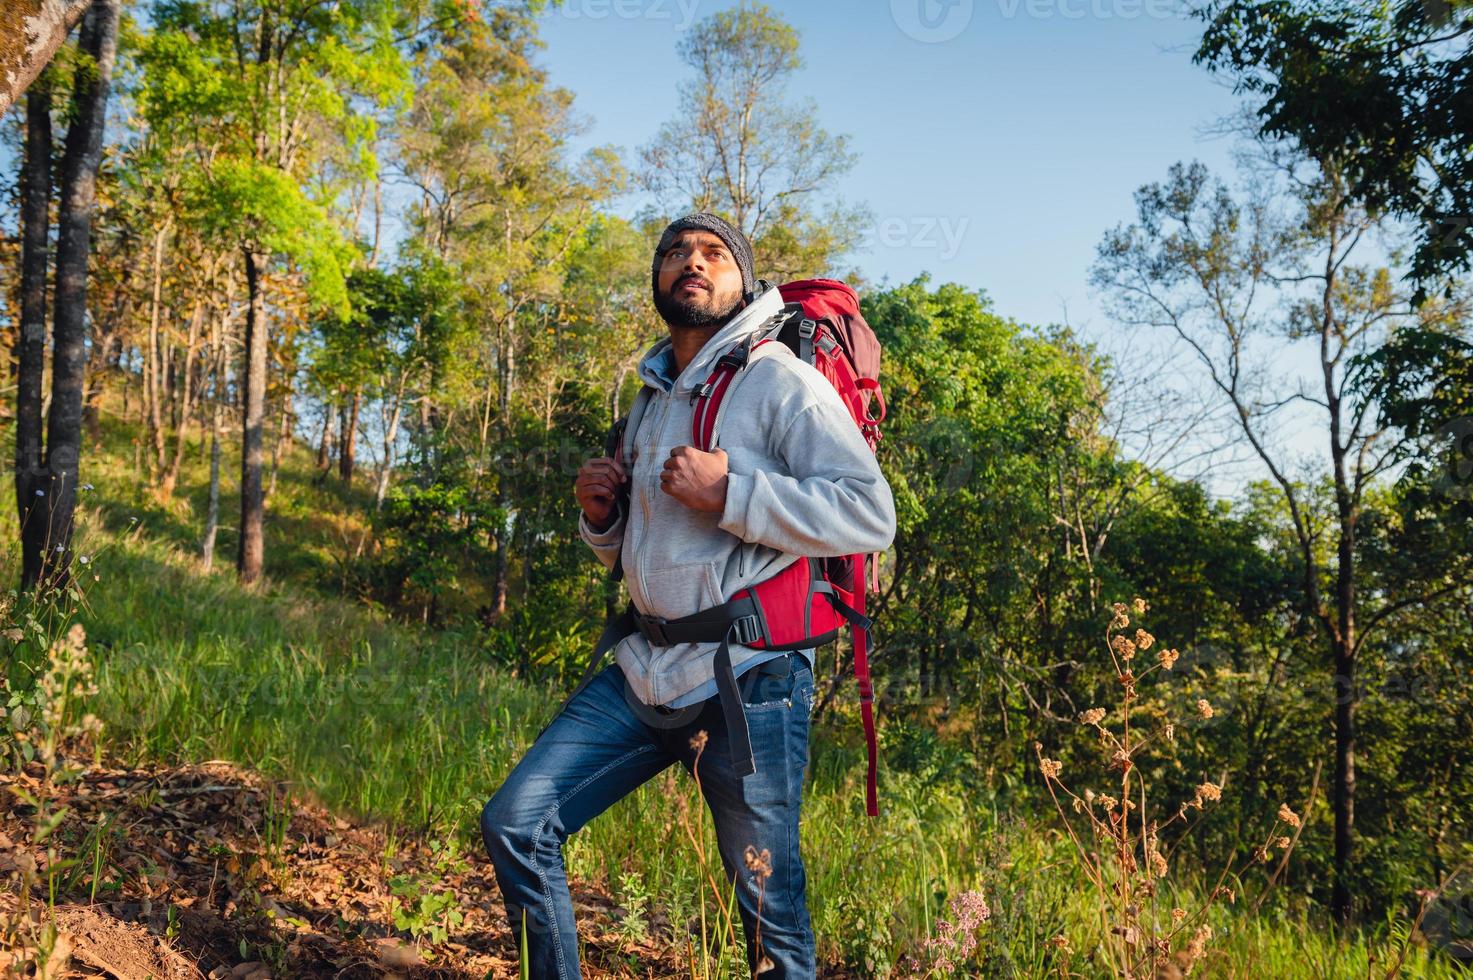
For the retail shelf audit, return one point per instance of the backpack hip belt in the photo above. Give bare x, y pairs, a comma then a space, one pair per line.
795, 609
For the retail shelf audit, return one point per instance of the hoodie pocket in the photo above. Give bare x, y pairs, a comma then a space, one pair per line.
679, 590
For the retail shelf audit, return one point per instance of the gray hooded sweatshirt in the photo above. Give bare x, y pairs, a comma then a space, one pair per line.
801, 481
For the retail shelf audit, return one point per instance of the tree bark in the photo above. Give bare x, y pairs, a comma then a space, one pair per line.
153, 393
73, 245
1346, 696
324, 445
250, 554
187, 403
30, 354
391, 436
504, 534
30, 34
350, 437
212, 512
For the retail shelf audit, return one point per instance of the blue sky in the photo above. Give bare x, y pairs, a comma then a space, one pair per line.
995, 147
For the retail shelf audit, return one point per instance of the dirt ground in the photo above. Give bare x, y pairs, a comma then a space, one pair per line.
212, 871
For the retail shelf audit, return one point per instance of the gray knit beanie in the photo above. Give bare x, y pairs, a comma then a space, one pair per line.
741, 249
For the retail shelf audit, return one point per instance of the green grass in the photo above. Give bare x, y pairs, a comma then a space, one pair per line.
416, 729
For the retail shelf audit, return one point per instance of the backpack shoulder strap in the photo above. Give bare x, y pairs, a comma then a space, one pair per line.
710, 398
620, 438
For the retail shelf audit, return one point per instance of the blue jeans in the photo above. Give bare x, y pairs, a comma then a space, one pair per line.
602, 746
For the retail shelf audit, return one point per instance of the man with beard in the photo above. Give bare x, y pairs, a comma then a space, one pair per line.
793, 477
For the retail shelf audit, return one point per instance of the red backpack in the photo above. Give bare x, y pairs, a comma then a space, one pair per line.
808, 602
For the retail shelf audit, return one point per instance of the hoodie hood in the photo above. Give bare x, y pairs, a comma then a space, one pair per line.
766, 303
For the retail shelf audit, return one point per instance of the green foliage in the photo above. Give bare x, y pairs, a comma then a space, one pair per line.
269, 207
240, 87
423, 908
430, 533
1379, 89
635, 898
424, 728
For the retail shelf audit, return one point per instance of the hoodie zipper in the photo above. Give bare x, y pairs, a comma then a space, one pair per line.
657, 430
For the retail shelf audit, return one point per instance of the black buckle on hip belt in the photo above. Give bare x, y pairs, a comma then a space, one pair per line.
739, 620
745, 629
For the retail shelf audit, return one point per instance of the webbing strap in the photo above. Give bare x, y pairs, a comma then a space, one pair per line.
866, 698
861, 625
739, 618
709, 397
738, 737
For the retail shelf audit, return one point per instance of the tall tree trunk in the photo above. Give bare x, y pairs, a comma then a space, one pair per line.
30, 34
341, 429
1343, 801
1342, 628
283, 430
391, 436
73, 244
504, 532
251, 552
212, 512
1346, 696
324, 445
186, 407
171, 386
153, 384
30, 352
350, 436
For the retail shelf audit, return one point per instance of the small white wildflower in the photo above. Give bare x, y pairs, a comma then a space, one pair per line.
60, 548
40, 493
88, 486
84, 559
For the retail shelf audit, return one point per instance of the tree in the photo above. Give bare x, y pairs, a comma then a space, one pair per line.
279, 95
1382, 89
736, 148
47, 475
30, 35
1237, 284
485, 146
979, 412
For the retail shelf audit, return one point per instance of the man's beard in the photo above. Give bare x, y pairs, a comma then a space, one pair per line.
695, 313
